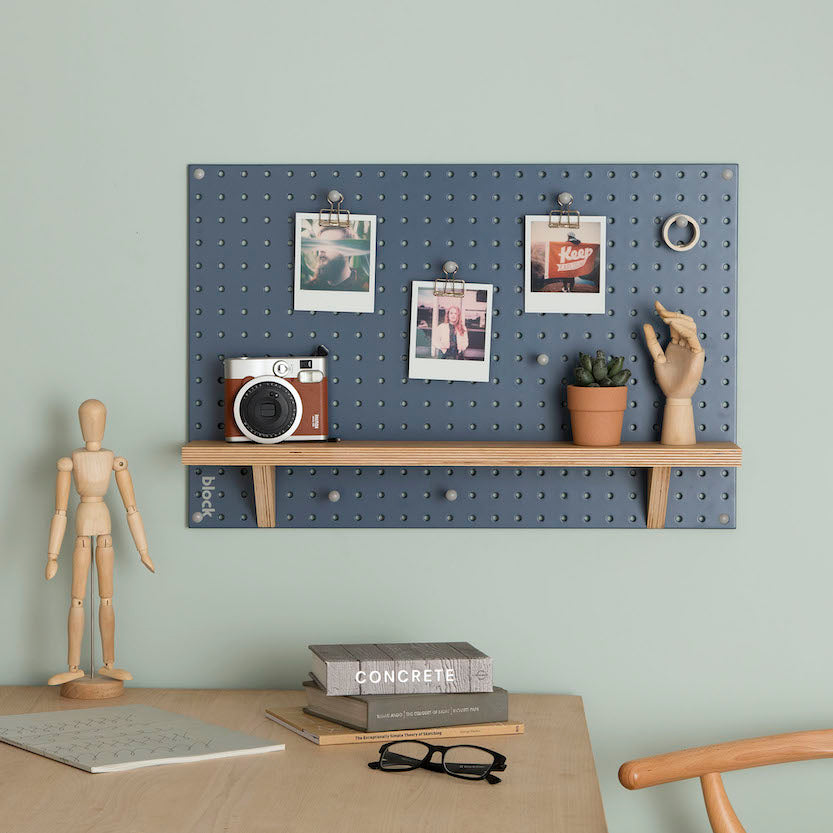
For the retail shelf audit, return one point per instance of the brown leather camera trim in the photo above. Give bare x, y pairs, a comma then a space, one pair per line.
232, 386
314, 415
314, 421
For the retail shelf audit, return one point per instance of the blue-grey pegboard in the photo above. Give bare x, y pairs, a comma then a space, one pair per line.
240, 270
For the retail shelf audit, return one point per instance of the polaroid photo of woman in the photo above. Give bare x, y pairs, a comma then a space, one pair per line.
565, 268
451, 335
335, 265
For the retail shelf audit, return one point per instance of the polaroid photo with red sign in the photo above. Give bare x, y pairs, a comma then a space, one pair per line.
565, 267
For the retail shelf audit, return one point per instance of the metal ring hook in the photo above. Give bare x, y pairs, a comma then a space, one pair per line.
681, 221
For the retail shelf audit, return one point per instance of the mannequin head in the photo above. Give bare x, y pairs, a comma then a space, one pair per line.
92, 415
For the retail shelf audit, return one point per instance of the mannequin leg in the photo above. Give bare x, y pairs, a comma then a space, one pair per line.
81, 556
106, 615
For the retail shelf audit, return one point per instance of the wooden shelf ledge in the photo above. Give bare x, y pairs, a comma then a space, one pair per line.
357, 453
263, 459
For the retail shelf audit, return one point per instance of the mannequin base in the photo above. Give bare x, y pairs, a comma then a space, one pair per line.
92, 688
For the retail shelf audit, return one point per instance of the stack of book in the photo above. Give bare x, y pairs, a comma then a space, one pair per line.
359, 693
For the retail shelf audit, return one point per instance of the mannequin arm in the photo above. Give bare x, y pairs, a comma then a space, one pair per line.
134, 519
678, 423
59, 520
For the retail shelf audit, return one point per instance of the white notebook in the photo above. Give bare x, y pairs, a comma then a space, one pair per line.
117, 738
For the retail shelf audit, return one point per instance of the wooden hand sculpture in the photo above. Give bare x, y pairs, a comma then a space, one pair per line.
678, 371
91, 467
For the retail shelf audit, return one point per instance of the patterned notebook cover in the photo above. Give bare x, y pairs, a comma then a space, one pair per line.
118, 738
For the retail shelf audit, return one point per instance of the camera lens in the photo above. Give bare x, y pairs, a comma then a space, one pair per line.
267, 410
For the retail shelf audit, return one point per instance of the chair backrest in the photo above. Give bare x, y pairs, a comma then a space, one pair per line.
707, 762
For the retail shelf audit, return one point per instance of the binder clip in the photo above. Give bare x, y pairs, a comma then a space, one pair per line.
449, 285
564, 216
334, 215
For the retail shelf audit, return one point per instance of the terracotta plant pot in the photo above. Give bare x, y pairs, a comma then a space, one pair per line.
596, 414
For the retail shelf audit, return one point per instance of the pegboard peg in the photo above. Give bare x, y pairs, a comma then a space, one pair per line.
564, 199
334, 496
543, 359
335, 196
451, 495
681, 221
450, 267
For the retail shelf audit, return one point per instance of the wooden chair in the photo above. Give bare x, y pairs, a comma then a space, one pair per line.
707, 762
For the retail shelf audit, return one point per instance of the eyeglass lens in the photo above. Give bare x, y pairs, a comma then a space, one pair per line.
468, 761
404, 755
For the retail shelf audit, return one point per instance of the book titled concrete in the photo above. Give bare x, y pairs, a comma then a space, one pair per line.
392, 712
118, 738
326, 733
401, 668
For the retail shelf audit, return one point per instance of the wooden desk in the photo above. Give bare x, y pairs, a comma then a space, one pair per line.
549, 784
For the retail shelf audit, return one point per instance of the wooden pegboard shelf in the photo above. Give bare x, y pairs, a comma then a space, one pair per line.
263, 459
433, 453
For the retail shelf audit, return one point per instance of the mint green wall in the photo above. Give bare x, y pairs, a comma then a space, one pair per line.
673, 638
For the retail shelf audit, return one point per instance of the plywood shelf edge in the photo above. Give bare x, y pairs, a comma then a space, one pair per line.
351, 452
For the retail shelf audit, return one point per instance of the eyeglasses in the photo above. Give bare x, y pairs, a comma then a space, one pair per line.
474, 763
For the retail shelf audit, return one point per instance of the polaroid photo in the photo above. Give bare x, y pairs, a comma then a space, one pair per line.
451, 336
335, 265
565, 268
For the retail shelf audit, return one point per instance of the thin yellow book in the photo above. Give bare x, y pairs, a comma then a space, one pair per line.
325, 733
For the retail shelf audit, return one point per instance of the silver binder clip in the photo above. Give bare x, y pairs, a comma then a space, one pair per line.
334, 215
564, 216
448, 284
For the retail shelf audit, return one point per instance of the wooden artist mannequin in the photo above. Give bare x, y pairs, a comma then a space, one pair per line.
91, 467
678, 371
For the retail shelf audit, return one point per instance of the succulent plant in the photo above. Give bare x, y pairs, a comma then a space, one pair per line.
600, 372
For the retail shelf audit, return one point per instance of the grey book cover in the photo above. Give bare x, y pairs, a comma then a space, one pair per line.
384, 712
401, 668
116, 738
